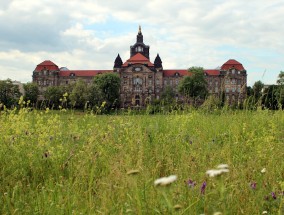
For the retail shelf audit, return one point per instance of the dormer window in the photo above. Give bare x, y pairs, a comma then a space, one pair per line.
72, 74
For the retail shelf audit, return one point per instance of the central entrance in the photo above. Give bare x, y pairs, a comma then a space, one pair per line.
137, 100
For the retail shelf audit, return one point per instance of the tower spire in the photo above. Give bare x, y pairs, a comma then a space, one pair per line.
139, 30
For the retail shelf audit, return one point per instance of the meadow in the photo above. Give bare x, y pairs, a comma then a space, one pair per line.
65, 162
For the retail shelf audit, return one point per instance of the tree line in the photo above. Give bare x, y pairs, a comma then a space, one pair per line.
104, 91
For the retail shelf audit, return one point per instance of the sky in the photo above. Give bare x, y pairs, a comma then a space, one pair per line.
88, 34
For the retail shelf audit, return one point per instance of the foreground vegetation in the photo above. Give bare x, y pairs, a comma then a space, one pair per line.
74, 163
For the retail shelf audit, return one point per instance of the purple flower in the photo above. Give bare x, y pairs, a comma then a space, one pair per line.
273, 195
253, 185
191, 183
202, 189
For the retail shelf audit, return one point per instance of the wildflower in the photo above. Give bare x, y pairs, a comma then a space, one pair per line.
132, 172
202, 189
223, 166
216, 172
264, 212
165, 180
191, 183
273, 195
253, 185
217, 213
263, 170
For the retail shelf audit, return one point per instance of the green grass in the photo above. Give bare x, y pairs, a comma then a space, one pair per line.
70, 163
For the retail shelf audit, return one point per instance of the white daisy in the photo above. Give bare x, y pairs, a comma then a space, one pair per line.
165, 180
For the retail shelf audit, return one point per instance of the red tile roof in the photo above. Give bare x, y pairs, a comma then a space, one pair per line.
138, 59
47, 64
212, 71
172, 72
232, 64
82, 73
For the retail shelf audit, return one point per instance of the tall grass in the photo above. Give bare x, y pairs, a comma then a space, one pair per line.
71, 163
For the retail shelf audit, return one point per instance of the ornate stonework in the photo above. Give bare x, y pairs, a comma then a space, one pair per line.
143, 81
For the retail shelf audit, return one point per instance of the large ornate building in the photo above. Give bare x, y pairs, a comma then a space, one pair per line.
142, 80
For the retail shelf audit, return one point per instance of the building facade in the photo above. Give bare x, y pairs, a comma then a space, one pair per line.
142, 80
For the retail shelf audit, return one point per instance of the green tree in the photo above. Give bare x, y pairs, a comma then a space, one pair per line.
52, 96
106, 89
269, 98
280, 80
280, 90
257, 90
249, 91
194, 86
9, 93
80, 94
168, 95
31, 92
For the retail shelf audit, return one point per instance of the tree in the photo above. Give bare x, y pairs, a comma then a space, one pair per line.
52, 95
80, 94
9, 93
194, 86
269, 98
257, 90
280, 90
280, 80
31, 92
168, 95
249, 91
107, 87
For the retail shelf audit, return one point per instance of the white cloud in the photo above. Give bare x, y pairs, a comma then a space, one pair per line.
184, 33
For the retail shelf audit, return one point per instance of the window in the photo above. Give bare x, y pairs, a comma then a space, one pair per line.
157, 81
216, 83
210, 91
137, 81
233, 71
233, 89
165, 82
233, 81
150, 82
125, 82
177, 82
216, 89
157, 90
140, 49
227, 89
171, 82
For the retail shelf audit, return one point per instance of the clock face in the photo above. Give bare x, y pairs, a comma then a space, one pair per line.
137, 69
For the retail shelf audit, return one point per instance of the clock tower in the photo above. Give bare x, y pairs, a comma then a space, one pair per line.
139, 46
